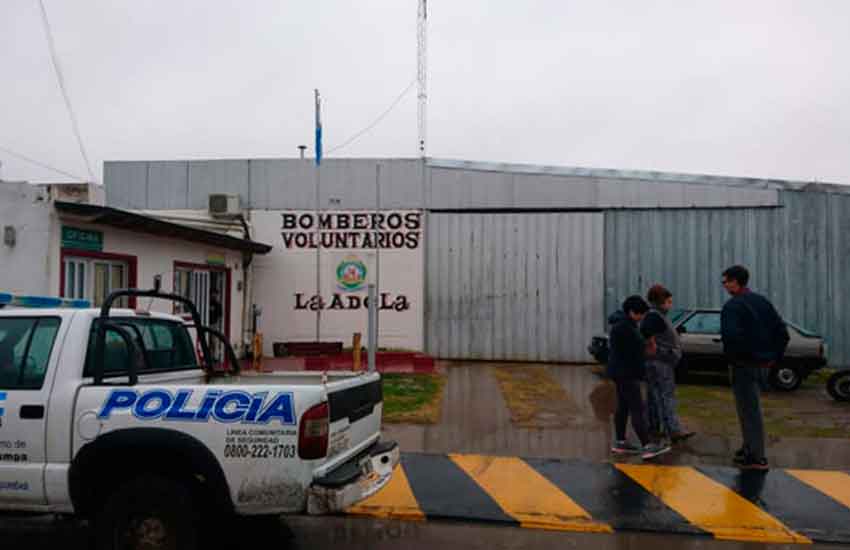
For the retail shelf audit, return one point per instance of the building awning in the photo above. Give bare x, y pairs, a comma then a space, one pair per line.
131, 221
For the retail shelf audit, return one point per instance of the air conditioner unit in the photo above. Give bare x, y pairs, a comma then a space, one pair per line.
222, 205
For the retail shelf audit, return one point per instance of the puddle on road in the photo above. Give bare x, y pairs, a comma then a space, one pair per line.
476, 419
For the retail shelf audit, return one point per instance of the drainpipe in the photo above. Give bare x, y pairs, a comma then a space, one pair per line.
247, 290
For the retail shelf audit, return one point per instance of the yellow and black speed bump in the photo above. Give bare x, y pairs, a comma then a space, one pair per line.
787, 506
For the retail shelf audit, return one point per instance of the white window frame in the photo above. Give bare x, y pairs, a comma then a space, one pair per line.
80, 275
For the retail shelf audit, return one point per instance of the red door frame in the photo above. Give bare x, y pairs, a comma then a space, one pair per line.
227, 280
131, 261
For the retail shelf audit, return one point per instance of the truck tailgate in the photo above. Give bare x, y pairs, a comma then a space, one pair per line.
356, 407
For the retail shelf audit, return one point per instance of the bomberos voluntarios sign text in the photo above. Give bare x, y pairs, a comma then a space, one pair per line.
352, 230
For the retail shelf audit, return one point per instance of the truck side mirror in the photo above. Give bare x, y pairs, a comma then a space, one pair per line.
681, 329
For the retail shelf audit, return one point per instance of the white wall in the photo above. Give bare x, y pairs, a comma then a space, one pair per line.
25, 267
285, 280
156, 256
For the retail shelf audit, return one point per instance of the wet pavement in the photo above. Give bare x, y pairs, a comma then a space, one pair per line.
798, 506
347, 533
476, 419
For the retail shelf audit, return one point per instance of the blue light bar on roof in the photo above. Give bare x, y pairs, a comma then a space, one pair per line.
7, 299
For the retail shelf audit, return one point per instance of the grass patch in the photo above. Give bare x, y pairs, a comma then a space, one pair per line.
711, 410
534, 397
819, 377
413, 398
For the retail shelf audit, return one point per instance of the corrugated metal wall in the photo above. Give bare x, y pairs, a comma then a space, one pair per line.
273, 184
524, 287
265, 184
798, 255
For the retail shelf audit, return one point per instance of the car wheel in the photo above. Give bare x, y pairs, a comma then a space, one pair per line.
785, 378
147, 513
838, 386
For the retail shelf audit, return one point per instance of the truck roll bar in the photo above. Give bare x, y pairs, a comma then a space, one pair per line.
203, 332
100, 351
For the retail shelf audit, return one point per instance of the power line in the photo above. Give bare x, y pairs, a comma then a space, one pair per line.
55, 61
39, 163
377, 120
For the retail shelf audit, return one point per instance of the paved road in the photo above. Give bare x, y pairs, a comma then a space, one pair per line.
335, 533
786, 506
475, 420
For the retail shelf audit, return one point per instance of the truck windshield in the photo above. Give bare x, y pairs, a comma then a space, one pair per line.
25, 347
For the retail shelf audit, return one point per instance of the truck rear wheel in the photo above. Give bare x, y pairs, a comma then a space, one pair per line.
147, 513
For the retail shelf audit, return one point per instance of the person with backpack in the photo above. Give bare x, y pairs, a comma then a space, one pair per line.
661, 368
754, 340
627, 368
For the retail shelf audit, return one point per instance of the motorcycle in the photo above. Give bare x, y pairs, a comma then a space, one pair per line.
838, 385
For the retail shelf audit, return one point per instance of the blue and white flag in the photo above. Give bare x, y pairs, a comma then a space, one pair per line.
318, 130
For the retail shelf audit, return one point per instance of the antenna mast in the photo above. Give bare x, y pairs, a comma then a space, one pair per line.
422, 72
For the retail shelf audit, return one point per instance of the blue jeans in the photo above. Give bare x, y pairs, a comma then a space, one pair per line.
746, 385
661, 378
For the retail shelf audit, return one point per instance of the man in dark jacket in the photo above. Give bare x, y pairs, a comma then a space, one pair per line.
627, 368
754, 340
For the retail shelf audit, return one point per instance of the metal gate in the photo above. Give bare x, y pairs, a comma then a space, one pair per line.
201, 294
521, 287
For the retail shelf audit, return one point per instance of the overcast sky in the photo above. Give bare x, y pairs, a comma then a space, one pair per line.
757, 88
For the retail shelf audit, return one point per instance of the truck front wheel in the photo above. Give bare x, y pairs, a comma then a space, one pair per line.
147, 513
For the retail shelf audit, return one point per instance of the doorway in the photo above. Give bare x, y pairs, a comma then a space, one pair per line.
208, 287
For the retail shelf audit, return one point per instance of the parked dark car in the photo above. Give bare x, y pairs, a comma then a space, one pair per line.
703, 349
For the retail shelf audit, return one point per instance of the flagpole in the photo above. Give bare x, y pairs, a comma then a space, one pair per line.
318, 216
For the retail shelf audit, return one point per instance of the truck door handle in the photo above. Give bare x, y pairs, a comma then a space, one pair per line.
716, 340
32, 412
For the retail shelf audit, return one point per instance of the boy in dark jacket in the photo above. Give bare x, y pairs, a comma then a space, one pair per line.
754, 340
627, 368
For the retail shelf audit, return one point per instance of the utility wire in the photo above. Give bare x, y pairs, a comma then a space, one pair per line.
38, 163
377, 121
55, 60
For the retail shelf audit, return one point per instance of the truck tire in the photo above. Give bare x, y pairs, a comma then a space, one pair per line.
838, 385
785, 377
149, 512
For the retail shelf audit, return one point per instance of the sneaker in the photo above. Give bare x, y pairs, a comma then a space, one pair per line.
651, 450
749, 463
625, 448
678, 437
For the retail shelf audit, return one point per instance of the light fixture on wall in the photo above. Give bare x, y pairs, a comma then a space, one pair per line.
10, 236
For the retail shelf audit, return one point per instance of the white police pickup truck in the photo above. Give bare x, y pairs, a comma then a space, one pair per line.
117, 416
